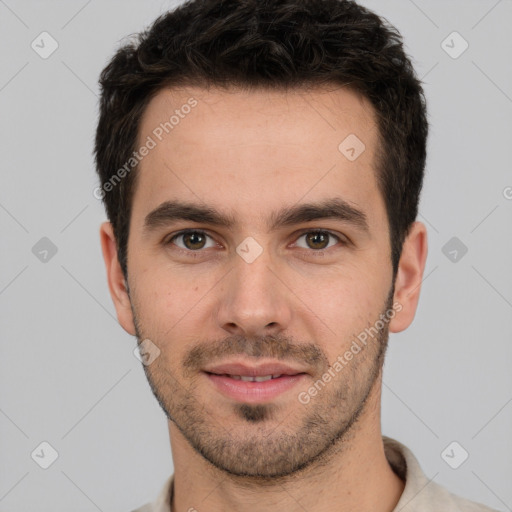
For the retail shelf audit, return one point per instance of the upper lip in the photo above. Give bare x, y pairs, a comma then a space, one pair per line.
272, 368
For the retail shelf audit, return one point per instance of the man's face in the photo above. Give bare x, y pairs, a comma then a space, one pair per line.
260, 285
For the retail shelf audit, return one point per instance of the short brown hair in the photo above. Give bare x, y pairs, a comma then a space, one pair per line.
278, 44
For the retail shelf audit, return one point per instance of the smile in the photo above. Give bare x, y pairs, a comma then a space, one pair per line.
253, 389
249, 378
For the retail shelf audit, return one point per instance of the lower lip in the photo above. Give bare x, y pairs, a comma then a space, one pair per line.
254, 392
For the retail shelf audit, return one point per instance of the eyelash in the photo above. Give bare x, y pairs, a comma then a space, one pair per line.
319, 252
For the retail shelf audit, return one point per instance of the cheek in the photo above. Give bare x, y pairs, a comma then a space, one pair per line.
341, 307
341, 292
164, 301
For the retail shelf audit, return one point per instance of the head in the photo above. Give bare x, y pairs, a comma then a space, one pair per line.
288, 140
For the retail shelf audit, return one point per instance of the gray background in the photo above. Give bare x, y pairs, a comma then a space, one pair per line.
68, 375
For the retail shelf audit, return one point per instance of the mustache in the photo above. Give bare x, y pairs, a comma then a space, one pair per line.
272, 346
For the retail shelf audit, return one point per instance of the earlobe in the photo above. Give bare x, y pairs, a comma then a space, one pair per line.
409, 277
115, 277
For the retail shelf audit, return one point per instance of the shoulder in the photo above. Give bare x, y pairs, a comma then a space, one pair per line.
441, 497
422, 494
163, 500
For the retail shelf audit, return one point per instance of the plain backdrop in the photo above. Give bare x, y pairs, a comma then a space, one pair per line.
68, 375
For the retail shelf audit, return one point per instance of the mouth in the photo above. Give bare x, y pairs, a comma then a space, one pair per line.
249, 378
253, 384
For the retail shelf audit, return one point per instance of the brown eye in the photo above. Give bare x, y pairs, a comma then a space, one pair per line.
192, 240
317, 240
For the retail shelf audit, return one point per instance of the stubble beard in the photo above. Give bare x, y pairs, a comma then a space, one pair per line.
261, 442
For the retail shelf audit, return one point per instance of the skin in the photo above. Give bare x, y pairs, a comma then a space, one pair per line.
248, 155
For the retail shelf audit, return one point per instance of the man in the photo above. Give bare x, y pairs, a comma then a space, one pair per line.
261, 163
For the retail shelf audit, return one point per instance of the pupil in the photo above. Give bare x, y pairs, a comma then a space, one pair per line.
194, 240
317, 240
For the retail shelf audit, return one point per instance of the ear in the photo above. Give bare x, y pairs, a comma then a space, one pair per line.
116, 282
409, 277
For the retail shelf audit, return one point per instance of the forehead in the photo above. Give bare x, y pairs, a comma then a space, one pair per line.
251, 150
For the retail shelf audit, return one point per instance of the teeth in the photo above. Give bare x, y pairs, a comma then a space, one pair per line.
263, 378
248, 378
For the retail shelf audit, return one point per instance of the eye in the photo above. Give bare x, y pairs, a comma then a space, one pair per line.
317, 240
192, 240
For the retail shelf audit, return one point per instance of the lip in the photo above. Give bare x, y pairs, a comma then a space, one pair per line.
238, 368
253, 392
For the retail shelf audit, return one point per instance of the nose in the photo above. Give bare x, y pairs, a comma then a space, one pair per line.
253, 301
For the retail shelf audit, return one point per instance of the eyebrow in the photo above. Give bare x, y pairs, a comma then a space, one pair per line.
171, 211
335, 208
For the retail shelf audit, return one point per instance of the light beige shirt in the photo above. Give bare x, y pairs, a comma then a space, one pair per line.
420, 494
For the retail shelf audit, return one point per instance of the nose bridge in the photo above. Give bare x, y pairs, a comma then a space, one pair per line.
253, 301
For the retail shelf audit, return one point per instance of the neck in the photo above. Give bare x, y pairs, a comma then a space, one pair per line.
354, 476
